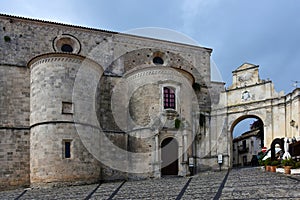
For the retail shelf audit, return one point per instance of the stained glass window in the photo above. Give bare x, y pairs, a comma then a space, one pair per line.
169, 98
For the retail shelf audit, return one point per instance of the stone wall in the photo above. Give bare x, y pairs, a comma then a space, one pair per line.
14, 126
30, 38
104, 104
144, 101
61, 101
48, 163
65, 97
114, 156
14, 158
14, 99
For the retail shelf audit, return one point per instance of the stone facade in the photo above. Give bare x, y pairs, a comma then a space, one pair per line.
251, 97
80, 105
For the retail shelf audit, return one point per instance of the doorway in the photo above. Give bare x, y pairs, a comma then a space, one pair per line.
169, 157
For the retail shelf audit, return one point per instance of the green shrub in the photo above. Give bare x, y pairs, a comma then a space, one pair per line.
177, 123
297, 165
267, 161
275, 163
261, 162
288, 162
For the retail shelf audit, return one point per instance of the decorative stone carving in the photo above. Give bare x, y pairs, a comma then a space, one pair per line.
245, 77
246, 96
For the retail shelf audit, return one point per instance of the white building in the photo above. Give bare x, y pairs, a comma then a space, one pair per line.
245, 147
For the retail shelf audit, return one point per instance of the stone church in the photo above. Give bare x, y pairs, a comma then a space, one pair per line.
81, 105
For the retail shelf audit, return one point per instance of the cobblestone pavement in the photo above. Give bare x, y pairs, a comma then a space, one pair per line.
246, 183
249, 183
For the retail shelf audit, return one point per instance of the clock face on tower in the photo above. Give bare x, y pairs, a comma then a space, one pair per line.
246, 96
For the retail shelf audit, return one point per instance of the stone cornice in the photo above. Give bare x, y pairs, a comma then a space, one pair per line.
151, 71
59, 57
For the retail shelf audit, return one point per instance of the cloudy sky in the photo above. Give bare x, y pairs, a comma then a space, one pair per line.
265, 33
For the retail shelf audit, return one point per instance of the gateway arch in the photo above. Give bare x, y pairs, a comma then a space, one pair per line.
250, 96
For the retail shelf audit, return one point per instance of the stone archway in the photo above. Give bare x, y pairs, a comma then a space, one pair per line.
243, 117
247, 145
169, 156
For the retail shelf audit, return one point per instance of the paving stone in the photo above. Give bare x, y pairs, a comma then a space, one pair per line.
105, 190
244, 183
252, 183
165, 188
10, 194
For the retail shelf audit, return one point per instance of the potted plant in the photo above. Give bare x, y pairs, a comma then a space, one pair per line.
268, 164
288, 164
296, 168
274, 165
297, 165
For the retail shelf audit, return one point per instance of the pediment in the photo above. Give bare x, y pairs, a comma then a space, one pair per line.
245, 75
246, 66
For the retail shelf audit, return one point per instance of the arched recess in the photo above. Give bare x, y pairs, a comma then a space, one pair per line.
147, 57
278, 141
143, 64
169, 156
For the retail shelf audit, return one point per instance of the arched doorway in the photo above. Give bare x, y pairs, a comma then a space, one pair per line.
169, 157
247, 140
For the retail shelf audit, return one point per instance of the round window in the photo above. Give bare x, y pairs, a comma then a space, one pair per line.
158, 60
67, 48
66, 43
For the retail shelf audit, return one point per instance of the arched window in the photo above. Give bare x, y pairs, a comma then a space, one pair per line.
169, 98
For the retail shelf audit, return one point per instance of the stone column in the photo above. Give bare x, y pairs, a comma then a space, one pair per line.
184, 162
156, 156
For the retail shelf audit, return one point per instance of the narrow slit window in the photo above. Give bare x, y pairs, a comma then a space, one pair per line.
169, 98
67, 149
202, 120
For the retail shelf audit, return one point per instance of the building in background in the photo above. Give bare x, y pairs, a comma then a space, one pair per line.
247, 146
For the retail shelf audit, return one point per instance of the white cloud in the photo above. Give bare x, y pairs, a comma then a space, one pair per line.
194, 11
191, 8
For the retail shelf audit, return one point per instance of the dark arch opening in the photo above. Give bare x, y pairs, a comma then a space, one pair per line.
67, 48
158, 60
278, 141
169, 157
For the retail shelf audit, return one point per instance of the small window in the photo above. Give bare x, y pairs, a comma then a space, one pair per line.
67, 148
158, 60
202, 120
66, 43
169, 98
67, 108
67, 48
244, 144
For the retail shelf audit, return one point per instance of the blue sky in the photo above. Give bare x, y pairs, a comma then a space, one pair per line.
266, 33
